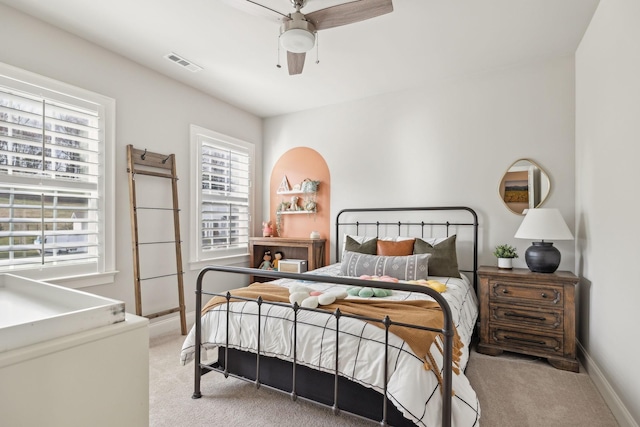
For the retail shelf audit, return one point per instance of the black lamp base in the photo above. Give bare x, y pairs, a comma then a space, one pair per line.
542, 257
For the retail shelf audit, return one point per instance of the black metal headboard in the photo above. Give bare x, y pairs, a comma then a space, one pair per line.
423, 222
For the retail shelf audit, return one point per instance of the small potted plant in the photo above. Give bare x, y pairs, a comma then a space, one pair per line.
505, 254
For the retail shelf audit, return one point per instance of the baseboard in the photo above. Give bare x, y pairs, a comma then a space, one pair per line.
169, 324
618, 409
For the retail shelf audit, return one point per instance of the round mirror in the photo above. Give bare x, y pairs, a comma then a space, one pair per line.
525, 185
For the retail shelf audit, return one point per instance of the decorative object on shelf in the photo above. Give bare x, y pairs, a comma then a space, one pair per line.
266, 261
310, 190
293, 205
277, 257
505, 254
279, 221
543, 224
282, 207
284, 185
310, 205
267, 229
309, 186
314, 235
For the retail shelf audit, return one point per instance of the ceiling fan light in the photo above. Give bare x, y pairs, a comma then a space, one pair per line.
297, 36
297, 40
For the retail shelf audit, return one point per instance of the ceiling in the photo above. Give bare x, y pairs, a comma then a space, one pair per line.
421, 42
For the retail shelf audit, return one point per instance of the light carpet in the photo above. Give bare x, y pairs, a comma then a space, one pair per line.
513, 390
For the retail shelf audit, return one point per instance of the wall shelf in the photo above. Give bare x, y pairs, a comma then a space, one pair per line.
300, 202
291, 192
295, 212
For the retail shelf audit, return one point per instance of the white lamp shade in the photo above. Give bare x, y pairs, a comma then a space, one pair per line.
543, 224
297, 40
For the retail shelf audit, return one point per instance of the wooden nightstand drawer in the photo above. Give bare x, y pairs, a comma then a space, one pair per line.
514, 315
526, 293
519, 341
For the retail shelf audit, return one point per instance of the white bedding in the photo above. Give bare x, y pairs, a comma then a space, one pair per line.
413, 389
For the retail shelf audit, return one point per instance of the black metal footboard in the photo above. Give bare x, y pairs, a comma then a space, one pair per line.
447, 332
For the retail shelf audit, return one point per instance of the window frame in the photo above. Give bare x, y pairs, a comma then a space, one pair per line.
198, 257
80, 275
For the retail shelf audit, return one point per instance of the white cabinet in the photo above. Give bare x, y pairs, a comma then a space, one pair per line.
97, 377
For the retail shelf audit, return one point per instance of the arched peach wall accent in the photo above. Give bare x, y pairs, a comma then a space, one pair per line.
298, 164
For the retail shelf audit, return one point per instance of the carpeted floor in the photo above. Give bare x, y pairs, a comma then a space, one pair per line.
517, 390
513, 390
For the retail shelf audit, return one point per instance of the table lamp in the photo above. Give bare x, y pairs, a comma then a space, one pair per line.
543, 224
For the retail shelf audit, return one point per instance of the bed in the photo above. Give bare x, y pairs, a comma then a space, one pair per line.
380, 369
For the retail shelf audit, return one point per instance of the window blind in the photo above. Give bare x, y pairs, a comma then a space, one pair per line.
49, 181
225, 198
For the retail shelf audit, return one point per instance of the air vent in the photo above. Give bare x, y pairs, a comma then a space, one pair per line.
183, 62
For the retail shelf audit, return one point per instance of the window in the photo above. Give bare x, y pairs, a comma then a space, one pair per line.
223, 172
55, 175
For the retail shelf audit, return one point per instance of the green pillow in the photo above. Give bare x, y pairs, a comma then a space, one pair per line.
444, 260
368, 247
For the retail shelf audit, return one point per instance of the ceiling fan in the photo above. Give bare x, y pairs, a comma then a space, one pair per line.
298, 30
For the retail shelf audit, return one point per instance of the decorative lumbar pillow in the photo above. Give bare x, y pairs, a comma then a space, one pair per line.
412, 267
395, 248
444, 260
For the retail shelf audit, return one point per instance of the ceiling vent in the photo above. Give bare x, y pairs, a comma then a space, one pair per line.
183, 62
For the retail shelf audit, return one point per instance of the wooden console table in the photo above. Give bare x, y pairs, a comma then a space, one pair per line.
311, 250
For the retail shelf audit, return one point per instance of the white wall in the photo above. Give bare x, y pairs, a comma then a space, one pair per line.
607, 176
446, 145
152, 111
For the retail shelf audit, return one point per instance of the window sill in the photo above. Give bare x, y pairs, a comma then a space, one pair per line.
240, 260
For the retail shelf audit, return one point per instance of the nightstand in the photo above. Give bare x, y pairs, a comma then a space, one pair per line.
529, 313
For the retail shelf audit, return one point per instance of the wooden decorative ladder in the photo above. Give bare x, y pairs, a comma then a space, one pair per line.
142, 162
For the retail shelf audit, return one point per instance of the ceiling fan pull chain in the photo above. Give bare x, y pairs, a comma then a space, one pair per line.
278, 63
317, 48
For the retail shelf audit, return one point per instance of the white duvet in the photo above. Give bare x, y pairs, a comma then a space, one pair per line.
414, 390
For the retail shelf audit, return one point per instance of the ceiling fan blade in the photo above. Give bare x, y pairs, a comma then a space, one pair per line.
295, 61
349, 13
257, 9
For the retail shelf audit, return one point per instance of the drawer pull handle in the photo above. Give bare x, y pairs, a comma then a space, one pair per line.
523, 316
543, 295
504, 291
507, 337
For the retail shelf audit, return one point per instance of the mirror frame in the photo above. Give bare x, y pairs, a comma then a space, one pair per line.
523, 205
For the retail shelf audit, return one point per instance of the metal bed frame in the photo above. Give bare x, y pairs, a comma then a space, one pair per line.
447, 330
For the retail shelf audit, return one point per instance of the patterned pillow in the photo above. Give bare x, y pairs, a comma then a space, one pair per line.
412, 267
444, 260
